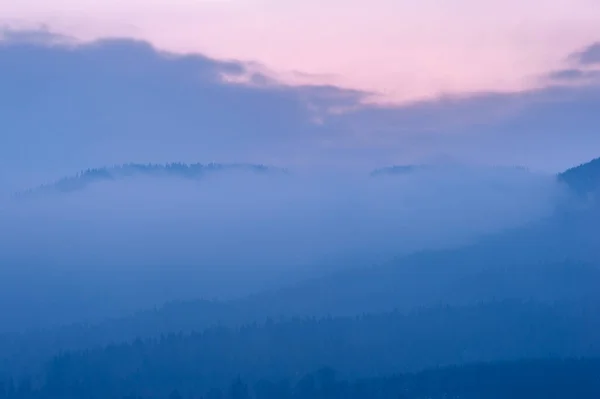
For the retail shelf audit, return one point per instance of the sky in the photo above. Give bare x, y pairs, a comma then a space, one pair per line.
297, 83
402, 50
327, 90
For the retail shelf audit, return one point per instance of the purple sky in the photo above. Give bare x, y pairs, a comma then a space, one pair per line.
401, 49
293, 82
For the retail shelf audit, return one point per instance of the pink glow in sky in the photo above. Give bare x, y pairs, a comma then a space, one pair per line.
402, 49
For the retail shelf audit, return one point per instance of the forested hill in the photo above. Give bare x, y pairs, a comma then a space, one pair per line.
358, 347
524, 379
179, 170
583, 179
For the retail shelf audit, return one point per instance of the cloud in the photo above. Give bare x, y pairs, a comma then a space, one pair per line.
568, 74
574, 75
68, 106
41, 36
588, 56
551, 128
583, 67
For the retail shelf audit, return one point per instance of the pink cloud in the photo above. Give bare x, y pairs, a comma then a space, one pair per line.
403, 49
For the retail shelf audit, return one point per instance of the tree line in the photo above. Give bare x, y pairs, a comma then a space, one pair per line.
524, 379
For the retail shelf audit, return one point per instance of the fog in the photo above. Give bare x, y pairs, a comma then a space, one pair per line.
146, 240
384, 238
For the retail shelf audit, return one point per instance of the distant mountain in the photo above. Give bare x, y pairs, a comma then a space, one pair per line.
583, 179
553, 260
241, 340
164, 370
444, 283
397, 170
557, 258
193, 171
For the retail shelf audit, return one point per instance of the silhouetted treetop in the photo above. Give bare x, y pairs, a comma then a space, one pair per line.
194, 171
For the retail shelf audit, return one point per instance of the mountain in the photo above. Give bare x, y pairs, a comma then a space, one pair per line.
583, 179
397, 170
556, 258
358, 346
193, 171
552, 260
558, 301
551, 378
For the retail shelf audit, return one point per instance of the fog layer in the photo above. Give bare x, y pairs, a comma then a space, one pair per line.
146, 240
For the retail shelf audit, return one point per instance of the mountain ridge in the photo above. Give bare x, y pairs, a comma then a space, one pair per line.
193, 171
583, 178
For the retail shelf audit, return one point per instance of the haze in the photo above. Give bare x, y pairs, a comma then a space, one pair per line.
251, 199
